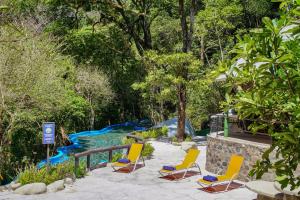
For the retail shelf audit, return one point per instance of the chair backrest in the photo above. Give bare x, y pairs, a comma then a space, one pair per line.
135, 151
234, 165
190, 157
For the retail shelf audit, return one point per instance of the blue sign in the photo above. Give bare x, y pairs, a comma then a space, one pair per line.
48, 133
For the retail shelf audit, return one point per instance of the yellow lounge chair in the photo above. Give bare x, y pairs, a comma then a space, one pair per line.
188, 163
134, 155
232, 172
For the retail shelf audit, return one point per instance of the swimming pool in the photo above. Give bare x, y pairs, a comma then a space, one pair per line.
82, 141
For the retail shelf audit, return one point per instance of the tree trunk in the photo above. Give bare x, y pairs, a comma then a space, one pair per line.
187, 35
184, 27
92, 119
147, 33
181, 111
221, 50
202, 49
92, 114
192, 22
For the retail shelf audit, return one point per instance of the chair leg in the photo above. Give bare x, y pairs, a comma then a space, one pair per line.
228, 186
143, 161
134, 167
185, 173
198, 168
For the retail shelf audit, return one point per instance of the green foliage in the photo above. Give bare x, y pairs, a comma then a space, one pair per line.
174, 139
203, 97
148, 150
165, 72
31, 174
116, 157
107, 50
265, 77
126, 140
188, 139
215, 24
153, 133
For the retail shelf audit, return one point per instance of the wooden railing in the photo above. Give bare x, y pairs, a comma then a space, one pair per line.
110, 150
98, 150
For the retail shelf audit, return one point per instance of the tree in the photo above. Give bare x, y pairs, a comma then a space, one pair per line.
93, 85
167, 75
36, 85
266, 90
216, 23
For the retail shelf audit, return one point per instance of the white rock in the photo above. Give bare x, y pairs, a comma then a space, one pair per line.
2, 188
56, 186
264, 188
188, 145
68, 181
33, 188
14, 186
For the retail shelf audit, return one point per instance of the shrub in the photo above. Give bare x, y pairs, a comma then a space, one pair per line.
31, 174
128, 141
116, 157
148, 150
153, 133
164, 131
188, 138
174, 139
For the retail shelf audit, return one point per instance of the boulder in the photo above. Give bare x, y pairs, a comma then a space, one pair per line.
3, 188
264, 189
33, 188
287, 190
56, 186
68, 181
14, 186
188, 145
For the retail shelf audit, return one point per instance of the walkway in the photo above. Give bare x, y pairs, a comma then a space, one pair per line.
103, 184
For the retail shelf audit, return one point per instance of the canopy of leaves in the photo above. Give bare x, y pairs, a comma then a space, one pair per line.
265, 80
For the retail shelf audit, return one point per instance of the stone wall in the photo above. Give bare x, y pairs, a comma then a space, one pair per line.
220, 149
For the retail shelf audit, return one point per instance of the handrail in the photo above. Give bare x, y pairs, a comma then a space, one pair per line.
98, 150
136, 138
110, 150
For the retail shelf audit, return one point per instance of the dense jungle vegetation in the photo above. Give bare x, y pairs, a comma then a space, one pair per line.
85, 64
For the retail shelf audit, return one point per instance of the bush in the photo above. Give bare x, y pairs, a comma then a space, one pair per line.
32, 175
188, 138
128, 141
153, 133
148, 150
174, 139
116, 157
164, 131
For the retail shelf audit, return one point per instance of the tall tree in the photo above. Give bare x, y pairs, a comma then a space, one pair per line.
167, 75
187, 37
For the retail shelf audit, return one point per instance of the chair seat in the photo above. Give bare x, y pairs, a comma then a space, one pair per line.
220, 179
117, 164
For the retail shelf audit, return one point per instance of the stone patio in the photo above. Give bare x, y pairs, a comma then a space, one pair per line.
142, 184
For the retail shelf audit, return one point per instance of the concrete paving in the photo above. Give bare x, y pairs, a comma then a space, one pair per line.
141, 184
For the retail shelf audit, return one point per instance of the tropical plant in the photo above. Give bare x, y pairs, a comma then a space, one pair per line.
30, 174
263, 86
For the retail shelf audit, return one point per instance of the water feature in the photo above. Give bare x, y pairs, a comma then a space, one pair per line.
82, 141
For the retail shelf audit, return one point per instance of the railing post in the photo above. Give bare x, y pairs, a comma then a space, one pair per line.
88, 162
110, 156
76, 165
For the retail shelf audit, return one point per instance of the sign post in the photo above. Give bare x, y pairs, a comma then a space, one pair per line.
48, 137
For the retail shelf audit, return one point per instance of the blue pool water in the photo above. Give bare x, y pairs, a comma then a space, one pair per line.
82, 141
